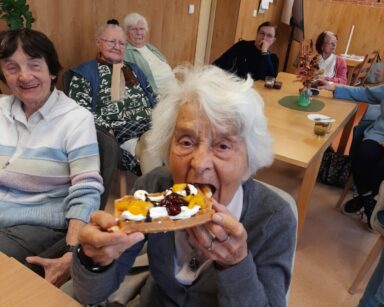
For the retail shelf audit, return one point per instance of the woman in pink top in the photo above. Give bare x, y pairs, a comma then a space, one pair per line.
334, 66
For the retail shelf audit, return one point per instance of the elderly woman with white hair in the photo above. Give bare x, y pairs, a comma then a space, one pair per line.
146, 56
210, 129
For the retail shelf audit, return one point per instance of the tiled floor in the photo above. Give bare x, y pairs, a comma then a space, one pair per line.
332, 249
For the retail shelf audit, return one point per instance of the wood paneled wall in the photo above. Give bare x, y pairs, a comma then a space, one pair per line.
320, 15
71, 25
338, 17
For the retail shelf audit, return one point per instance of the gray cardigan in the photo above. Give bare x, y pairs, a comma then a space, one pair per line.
261, 279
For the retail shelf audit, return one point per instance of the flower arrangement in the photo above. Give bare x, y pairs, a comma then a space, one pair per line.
308, 72
309, 69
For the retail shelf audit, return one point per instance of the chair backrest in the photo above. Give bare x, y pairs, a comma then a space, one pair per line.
66, 80
292, 204
109, 151
362, 72
306, 46
377, 218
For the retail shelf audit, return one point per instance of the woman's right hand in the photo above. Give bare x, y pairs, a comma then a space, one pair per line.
326, 85
101, 246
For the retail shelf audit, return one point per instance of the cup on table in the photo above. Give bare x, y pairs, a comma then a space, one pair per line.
322, 126
269, 82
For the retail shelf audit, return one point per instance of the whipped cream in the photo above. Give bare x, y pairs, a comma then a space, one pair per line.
185, 213
157, 212
192, 189
132, 217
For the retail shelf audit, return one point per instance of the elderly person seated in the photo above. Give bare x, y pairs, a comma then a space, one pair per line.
368, 159
252, 57
49, 159
334, 66
210, 129
146, 56
119, 95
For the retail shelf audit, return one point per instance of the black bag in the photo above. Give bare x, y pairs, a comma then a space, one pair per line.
334, 169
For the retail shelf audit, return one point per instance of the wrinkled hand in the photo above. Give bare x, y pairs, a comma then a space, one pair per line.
326, 85
224, 240
103, 246
56, 270
265, 45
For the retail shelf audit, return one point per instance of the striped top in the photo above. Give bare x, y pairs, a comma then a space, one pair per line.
49, 164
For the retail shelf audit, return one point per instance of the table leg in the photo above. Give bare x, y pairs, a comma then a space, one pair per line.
304, 197
346, 134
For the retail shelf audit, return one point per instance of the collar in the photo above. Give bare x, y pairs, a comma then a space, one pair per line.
17, 112
236, 204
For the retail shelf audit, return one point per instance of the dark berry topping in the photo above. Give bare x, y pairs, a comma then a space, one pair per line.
173, 209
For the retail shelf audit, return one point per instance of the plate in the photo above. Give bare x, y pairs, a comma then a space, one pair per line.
318, 116
165, 224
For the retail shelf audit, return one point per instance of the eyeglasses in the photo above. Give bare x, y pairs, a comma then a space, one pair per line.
267, 35
333, 44
113, 43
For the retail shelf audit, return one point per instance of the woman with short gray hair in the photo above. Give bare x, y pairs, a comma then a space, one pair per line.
146, 56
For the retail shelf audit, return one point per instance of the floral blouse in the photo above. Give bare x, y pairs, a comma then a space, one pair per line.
111, 114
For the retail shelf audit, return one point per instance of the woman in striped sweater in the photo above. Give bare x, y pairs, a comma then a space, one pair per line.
49, 160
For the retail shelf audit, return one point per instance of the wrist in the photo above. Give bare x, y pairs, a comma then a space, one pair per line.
69, 248
88, 263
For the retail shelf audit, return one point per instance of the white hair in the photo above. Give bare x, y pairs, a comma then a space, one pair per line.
100, 30
228, 102
132, 19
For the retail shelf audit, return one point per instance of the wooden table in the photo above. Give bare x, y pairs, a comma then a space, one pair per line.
295, 142
19, 286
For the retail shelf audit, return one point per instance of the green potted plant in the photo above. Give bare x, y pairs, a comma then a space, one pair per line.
16, 14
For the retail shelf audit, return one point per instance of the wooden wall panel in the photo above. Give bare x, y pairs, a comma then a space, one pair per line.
338, 17
71, 25
224, 28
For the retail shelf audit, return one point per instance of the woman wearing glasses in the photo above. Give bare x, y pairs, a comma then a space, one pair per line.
119, 96
252, 57
334, 66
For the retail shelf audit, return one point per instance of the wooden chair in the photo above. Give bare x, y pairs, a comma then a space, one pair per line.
377, 248
362, 72
306, 46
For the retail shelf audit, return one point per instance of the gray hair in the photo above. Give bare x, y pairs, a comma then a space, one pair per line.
100, 30
132, 19
228, 102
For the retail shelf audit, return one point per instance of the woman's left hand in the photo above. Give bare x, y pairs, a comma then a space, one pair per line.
224, 240
56, 271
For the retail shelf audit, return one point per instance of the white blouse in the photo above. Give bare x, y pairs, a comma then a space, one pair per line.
161, 71
328, 65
